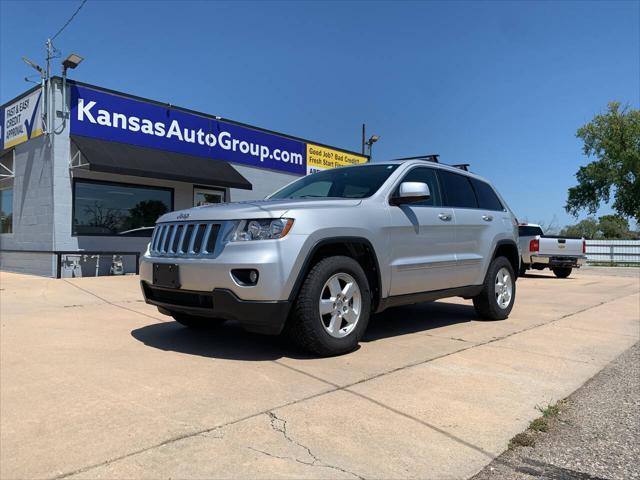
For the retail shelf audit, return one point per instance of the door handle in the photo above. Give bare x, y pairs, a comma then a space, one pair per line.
445, 217
487, 218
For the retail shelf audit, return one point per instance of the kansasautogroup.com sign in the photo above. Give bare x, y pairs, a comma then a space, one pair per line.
108, 116
116, 118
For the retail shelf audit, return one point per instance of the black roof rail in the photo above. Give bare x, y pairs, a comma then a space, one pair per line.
433, 157
462, 166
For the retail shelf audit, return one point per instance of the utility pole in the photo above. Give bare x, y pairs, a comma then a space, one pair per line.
46, 107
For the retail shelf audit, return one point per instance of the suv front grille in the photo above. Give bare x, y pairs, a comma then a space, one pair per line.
184, 239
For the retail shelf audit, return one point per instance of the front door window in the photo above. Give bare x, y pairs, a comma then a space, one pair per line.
205, 196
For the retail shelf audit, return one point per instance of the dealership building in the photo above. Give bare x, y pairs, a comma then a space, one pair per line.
85, 171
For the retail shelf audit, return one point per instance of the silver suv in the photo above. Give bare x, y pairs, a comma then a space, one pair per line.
319, 256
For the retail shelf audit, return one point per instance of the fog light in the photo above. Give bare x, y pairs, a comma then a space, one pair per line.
246, 277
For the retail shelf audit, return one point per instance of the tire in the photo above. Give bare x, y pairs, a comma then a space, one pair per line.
486, 303
310, 330
562, 272
193, 321
522, 271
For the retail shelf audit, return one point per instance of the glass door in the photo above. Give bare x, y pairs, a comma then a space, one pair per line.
204, 196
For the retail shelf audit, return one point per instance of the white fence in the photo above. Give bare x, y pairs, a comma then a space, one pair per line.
613, 251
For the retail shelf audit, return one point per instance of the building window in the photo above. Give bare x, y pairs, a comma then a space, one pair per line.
205, 196
106, 208
6, 210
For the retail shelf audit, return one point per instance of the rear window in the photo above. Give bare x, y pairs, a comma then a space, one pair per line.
529, 231
457, 190
487, 198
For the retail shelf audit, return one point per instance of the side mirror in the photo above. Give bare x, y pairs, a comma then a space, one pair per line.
410, 192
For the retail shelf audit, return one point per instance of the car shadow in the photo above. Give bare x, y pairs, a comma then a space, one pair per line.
229, 341
551, 276
420, 317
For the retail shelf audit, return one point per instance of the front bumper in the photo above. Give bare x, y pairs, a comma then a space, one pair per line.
559, 260
277, 263
267, 317
207, 287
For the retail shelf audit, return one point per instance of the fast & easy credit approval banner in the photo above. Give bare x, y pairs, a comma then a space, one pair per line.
22, 120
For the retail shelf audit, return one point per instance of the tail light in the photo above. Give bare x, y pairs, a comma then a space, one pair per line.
584, 246
534, 245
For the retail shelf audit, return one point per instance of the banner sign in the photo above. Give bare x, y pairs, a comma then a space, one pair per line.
323, 158
108, 116
22, 120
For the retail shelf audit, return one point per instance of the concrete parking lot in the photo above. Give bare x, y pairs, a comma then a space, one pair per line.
96, 384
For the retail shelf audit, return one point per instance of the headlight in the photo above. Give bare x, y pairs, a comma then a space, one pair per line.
261, 229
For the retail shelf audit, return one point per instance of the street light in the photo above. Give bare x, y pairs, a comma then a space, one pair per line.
373, 139
34, 65
72, 61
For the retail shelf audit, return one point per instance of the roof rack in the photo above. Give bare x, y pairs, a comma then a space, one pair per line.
462, 166
433, 157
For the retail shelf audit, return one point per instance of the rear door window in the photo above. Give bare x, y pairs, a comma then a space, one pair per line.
487, 198
457, 189
428, 176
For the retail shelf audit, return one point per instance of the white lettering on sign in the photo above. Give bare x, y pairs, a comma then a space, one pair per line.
89, 112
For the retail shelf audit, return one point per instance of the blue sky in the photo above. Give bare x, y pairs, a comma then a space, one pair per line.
501, 85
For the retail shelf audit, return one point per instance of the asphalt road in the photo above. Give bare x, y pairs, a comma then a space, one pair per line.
96, 384
595, 435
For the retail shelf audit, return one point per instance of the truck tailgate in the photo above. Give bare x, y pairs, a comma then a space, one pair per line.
550, 245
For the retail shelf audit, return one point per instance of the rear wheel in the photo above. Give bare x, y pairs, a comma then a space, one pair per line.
522, 270
495, 301
193, 321
562, 272
332, 310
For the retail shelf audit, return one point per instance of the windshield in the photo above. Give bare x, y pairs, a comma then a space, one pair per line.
529, 231
344, 182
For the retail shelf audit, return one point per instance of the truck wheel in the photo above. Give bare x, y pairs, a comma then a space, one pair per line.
332, 310
522, 271
562, 272
495, 301
193, 321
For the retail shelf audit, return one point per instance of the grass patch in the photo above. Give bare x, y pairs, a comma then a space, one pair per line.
522, 440
539, 425
550, 411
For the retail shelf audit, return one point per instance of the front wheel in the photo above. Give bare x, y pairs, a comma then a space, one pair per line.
495, 301
562, 272
333, 306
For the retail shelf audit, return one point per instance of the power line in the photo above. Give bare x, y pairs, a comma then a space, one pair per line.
69, 21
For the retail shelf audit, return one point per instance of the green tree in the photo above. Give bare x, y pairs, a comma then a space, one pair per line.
613, 140
587, 228
614, 226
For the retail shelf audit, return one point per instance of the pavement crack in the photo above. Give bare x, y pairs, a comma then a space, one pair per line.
280, 425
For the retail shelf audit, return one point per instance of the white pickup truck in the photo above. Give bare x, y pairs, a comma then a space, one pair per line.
539, 251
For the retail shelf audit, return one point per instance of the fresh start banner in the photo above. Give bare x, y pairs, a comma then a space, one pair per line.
22, 120
112, 117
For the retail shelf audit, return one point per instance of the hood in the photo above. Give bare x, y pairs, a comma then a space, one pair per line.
254, 209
